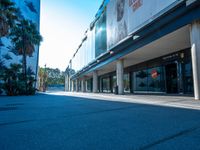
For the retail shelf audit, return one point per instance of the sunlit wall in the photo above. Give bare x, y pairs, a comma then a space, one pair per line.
115, 21
30, 9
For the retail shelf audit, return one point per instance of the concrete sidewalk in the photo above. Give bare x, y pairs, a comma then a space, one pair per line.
159, 100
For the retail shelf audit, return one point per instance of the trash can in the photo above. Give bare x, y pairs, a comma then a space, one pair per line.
116, 90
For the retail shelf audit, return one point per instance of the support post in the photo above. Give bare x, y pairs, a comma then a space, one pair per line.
95, 82
195, 52
120, 76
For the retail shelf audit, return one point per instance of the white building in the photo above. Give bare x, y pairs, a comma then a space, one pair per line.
140, 46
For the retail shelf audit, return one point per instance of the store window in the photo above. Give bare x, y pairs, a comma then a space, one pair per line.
151, 80
140, 83
114, 83
156, 79
106, 85
127, 83
89, 85
188, 80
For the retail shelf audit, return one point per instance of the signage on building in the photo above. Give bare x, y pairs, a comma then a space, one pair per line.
154, 73
169, 57
135, 4
124, 17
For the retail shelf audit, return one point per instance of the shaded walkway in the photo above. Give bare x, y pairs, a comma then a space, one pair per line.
68, 122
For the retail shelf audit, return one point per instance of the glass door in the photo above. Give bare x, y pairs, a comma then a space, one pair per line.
171, 78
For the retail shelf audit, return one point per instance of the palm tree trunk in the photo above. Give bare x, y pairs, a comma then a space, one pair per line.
24, 62
0, 47
24, 69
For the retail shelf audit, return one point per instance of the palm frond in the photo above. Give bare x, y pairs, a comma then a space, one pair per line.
7, 57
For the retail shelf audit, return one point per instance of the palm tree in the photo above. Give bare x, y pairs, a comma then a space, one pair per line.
11, 77
9, 15
25, 37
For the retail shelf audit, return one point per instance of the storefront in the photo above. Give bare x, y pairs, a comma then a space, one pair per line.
89, 85
170, 74
158, 53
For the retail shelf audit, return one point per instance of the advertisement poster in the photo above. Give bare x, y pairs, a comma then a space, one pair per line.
144, 11
126, 16
117, 21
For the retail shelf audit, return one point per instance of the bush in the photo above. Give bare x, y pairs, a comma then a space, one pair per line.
15, 83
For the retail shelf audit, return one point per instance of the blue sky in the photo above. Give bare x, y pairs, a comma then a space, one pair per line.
63, 24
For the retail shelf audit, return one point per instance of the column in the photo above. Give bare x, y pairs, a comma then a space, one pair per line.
72, 85
95, 82
69, 84
76, 85
66, 83
83, 88
120, 76
195, 52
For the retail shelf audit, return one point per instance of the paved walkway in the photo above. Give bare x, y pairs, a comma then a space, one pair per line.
170, 101
69, 121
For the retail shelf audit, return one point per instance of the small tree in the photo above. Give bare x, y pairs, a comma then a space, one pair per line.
43, 77
12, 78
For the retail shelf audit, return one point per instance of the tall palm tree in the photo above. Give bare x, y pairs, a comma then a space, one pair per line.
9, 15
25, 37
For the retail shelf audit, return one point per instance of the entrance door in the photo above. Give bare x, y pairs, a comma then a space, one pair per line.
171, 78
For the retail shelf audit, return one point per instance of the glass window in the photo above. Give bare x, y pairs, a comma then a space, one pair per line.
114, 83
151, 80
100, 36
89, 85
188, 79
106, 85
79, 85
155, 79
140, 83
127, 83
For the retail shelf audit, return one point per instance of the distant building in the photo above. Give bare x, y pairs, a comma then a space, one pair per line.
30, 10
140, 46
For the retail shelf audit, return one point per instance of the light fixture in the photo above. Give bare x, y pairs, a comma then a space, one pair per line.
111, 52
135, 37
182, 55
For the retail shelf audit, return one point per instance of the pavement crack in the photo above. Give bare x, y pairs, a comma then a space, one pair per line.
100, 111
7, 108
16, 122
14, 104
165, 139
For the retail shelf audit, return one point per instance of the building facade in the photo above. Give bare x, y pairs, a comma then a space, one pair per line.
140, 46
30, 10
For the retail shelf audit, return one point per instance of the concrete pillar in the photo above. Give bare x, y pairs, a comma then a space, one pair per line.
69, 84
195, 52
95, 82
120, 76
83, 86
76, 85
72, 85
66, 83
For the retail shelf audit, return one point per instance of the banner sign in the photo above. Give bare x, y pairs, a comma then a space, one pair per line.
126, 16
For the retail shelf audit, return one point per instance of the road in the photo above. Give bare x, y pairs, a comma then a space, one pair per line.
58, 122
